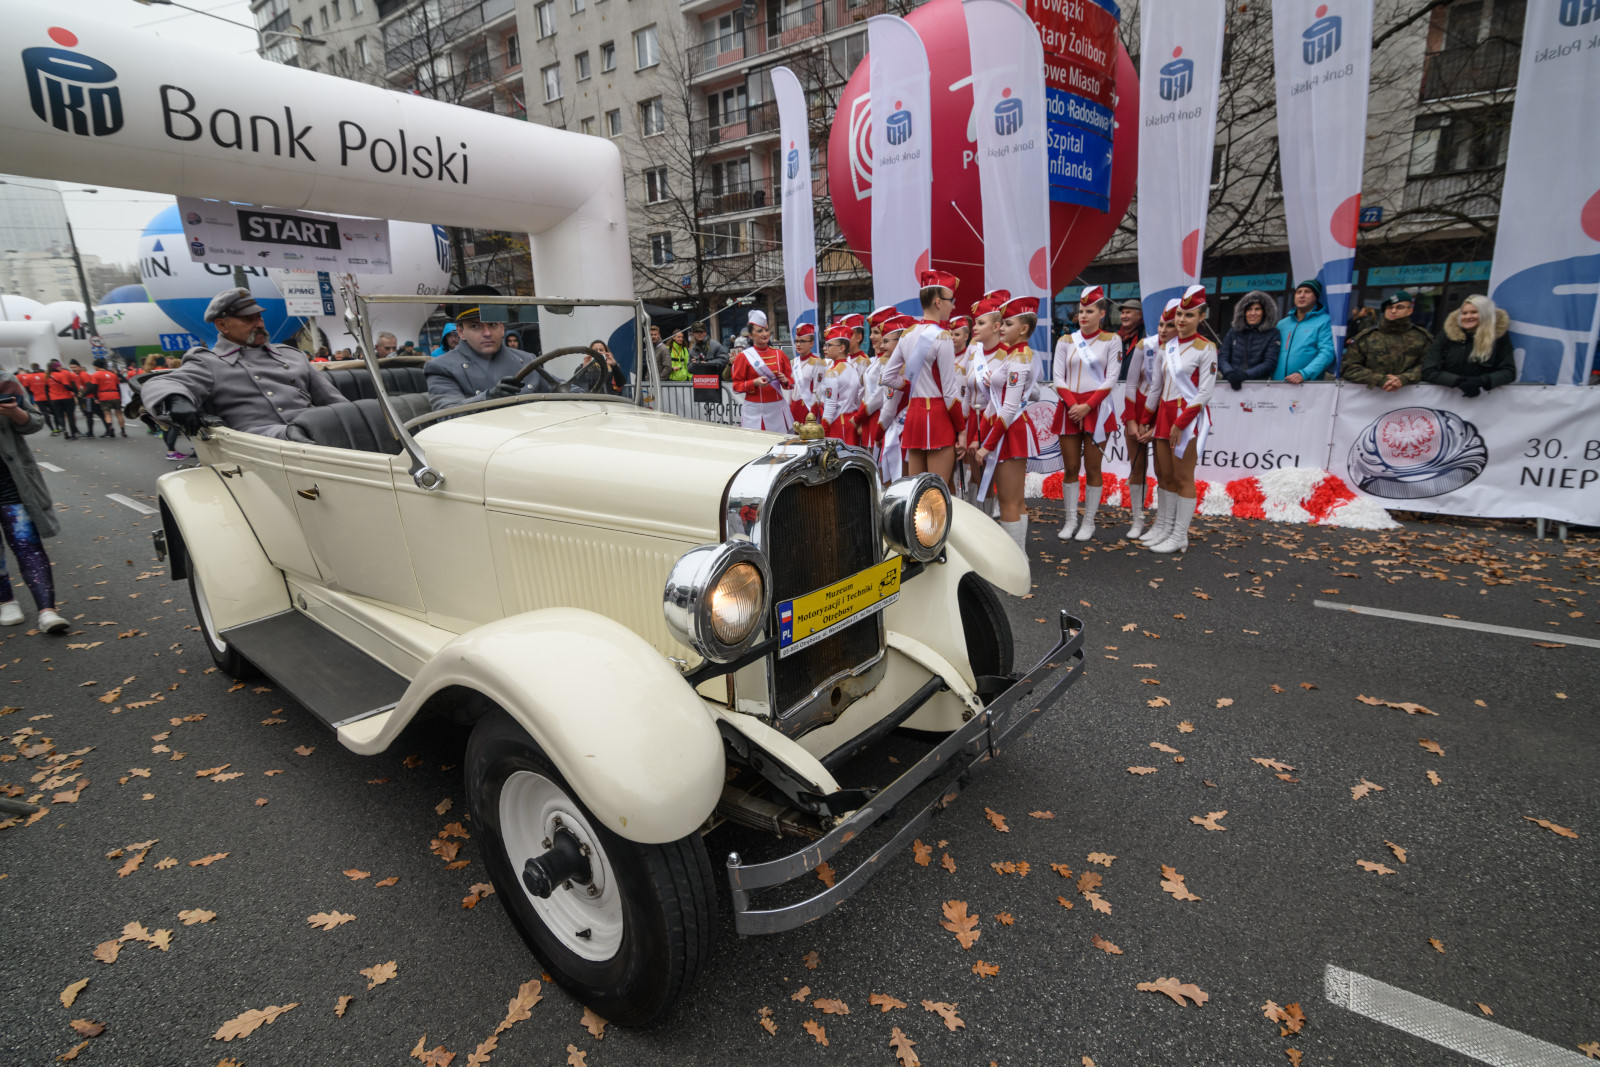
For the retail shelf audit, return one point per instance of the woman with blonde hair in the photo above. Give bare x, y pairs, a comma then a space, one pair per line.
1473, 351
1086, 365
1187, 374
1012, 379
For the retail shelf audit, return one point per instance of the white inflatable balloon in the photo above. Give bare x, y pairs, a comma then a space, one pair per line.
182, 288
421, 257
128, 318
18, 308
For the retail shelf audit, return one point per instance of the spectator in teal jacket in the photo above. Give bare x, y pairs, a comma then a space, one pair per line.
1306, 351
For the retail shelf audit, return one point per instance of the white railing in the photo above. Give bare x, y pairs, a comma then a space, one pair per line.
677, 398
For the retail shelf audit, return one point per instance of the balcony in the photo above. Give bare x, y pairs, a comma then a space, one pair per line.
788, 25
484, 71
1473, 193
722, 51
424, 33
1481, 68
758, 194
753, 121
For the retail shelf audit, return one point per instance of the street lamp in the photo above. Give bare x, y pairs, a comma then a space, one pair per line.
261, 35
77, 260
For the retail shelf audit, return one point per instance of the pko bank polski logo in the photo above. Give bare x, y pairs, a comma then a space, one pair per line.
794, 161
897, 130
441, 248
71, 91
1007, 114
1578, 12
1177, 77
1323, 37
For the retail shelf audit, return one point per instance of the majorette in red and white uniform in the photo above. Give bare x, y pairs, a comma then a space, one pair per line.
924, 364
1012, 378
977, 364
1086, 373
806, 369
762, 375
1142, 378
1187, 375
840, 388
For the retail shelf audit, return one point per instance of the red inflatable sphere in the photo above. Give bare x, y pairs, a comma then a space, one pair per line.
1077, 234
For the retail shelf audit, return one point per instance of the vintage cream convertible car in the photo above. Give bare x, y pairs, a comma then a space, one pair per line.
653, 626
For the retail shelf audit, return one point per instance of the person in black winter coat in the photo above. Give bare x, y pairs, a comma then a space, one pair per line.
1250, 349
1473, 352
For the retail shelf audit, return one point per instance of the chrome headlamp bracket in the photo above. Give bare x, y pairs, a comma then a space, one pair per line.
686, 601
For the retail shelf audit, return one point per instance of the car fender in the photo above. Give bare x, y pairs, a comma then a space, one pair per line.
988, 549
208, 534
631, 737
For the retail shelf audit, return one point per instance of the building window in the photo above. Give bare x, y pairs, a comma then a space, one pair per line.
586, 126
608, 57
513, 50
552, 82
730, 176
357, 7
322, 17
335, 6
655, 185
578, 6
1460, 141
478, 65
724, 33
651, 119
581, 62
727, 107
363, 51
646, 49
308, 28
545, 16
719, 239
660, 249
614, 122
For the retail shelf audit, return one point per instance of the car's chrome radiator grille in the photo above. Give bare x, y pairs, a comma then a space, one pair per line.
820, 534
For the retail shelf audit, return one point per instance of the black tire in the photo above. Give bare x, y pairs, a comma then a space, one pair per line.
224, 655
667, 896
990, 647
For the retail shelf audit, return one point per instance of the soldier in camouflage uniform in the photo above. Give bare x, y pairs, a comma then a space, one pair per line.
1389, 355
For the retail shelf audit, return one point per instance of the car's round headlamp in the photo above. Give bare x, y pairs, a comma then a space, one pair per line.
916, 516
716, 598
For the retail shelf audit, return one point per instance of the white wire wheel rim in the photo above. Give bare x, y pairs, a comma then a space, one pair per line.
532, 809
209, 628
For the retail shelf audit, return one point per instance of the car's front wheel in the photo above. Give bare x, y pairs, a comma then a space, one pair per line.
223, 654
625, 927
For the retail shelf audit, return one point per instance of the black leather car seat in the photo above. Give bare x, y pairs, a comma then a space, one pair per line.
356, 382
359, 425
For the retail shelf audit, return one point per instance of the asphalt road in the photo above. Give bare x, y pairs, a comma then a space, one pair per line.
1513, 905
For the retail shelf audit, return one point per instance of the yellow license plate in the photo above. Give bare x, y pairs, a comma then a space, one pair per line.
805, 620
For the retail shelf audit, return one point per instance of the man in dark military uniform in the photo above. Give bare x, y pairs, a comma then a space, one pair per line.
481, 365
249, 384
1388, 355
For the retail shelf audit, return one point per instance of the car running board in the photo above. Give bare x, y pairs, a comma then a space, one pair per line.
324, 673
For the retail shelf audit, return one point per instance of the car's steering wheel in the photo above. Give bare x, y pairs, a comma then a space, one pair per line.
572, 384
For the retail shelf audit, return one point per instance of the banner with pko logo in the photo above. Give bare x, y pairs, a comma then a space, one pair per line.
217, 231
1546, 272
1008, 97
902, 162
1322, 52
799, 226
1180, 77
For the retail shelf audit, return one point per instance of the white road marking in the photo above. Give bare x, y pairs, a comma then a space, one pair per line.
50, 466
1470, 1035
129, 502
1460, 624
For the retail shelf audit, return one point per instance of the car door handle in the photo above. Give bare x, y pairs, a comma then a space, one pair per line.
309, 494
226, 473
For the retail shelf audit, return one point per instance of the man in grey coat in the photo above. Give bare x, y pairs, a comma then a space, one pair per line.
481, 366
249, 384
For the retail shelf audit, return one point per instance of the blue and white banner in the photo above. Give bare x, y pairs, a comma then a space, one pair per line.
1008, 105
799, 225
1180, 77
902, 162
1546, 272
1322, 52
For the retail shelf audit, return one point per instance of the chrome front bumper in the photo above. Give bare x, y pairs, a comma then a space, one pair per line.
952, 763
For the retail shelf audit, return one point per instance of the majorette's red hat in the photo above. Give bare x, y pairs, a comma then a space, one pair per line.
898, 323
930, 278
851, 322
838, 333
1020, 305
1170, 311
990, 301
1092, 293
1193, 297
883, 314
960, 321
804, 330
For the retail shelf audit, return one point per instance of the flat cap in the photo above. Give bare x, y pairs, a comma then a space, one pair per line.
235, 302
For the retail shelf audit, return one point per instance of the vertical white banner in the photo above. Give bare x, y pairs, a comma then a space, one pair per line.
799, 225
1546, 272
1322, 53
902, 162
1180, 78
1008, 107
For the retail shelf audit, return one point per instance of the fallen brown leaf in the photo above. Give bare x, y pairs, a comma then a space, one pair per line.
576, 1058
593, 1023
811, 959
1224, 702
1366, 787
985, 970
206, 861
86, 1028
1210, 821
996, 820
1431, 746
327, 920
1433, 778
1105, 946
1176, 990
947, 863
764, 1018
106, 951
1041, 814
958, 922
1552, 827
1399, 853
947, 1012
356, 875
1172, 882
1101, 858
1005, 918
520, 1006
817, 1030
1271, 764
1375, 868
342, 1006
1141, 770
901, 1044
1438, 946
920, 853
72, 1053
380, 973
800, 994
70, 994
1064, 902
831, 1006
1485, 1008
885, 1002
251, 1021
1098, 903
